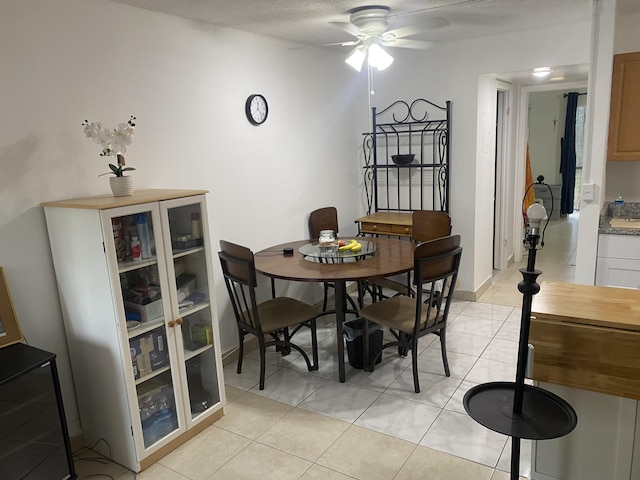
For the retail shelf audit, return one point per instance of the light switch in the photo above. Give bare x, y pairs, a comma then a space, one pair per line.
588, 192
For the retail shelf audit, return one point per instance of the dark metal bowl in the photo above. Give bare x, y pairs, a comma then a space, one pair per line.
404, 159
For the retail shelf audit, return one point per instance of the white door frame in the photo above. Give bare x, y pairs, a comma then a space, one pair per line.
521, 146
501, 175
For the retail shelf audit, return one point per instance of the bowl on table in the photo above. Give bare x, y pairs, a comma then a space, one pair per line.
403, 159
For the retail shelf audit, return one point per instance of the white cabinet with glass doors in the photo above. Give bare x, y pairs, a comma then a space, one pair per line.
136, 287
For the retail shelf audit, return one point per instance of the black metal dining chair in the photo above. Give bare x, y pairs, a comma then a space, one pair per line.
410, 318
273, 322
426, 225
326, 218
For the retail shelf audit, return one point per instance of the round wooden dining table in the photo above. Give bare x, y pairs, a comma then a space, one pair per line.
391, 256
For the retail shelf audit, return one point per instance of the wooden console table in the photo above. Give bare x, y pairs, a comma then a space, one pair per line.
587, 337
386, 223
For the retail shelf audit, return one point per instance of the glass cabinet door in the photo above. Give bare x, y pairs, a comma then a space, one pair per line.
143, 288
190, 275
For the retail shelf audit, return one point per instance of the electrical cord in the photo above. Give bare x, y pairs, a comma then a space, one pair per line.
101, 459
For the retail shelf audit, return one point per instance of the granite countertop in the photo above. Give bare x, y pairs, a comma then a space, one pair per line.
629, 210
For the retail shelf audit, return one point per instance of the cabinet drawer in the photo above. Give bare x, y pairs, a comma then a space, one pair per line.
619, 246
385, 229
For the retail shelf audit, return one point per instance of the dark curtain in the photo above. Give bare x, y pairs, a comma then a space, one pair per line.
568, 155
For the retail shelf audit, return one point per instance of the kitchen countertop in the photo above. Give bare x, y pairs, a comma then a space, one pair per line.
629, 210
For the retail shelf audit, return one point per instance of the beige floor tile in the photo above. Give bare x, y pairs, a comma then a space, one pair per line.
367, 455
316, 472
251, 415
232, 393
304, 434
207, 452
262, 462
158, 472
441, 466
500, 475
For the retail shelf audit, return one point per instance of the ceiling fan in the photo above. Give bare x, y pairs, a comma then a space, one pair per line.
369, 25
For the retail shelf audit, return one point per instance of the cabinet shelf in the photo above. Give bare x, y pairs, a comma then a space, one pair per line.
189, 354
193, 309
188, 251
153, 374
145, 327
130, 265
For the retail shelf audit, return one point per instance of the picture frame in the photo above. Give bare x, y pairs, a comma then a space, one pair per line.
10, 332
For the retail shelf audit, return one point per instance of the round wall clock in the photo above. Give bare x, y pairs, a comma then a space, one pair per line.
257, 109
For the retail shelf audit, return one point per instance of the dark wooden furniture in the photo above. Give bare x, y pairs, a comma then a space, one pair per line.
268, 321
34, 440
436, 262
398, 224
392, 256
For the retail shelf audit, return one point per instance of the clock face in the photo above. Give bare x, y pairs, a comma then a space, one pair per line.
256, 109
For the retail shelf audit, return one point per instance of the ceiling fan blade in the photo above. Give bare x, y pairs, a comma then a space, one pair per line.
416, 44
424, 26
352, 43
348, 27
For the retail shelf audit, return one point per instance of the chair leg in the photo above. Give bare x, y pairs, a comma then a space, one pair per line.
326, 295
314, 344
361, 291
240, 349
403, 338
263, 365
285, 349
353, 303
443, 348
366, 365
414, 365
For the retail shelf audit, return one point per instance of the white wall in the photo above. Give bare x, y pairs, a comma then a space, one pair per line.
547, 112
64, 61
452, 72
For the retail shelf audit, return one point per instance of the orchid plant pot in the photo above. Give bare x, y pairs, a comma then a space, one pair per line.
121, 186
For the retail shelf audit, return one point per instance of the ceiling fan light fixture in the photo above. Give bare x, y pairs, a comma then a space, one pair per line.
378, 57
356, 58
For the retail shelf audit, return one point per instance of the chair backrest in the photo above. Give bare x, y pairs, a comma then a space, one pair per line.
323, 219
238, 269
436, 265
429, 225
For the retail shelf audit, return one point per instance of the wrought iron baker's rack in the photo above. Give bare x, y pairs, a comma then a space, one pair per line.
421, 128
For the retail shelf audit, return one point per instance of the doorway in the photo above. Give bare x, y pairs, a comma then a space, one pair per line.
544, 119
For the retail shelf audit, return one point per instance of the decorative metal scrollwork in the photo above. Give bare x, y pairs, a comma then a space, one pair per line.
406, 157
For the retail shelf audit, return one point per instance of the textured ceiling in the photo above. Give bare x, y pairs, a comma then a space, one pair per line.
319, 22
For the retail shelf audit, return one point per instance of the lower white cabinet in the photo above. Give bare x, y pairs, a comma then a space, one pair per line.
141, 327
602, 446
618, 262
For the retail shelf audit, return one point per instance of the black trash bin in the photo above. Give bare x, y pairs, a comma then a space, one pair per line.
353, 336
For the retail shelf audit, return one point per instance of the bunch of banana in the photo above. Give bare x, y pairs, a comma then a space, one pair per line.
353, 245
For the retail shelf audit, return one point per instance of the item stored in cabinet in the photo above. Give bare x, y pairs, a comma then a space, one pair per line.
119, 238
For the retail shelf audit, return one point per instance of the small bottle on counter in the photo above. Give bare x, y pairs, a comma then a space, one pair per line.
136, 255
618, 206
